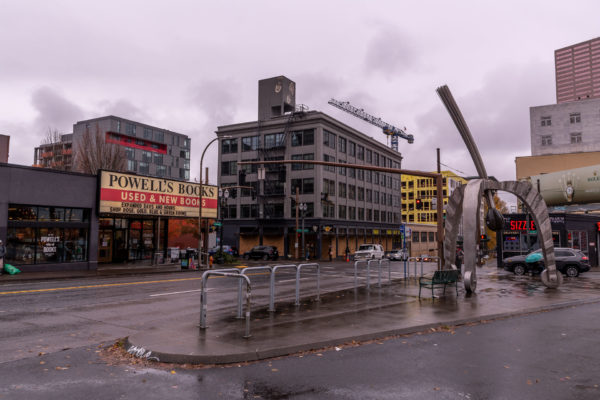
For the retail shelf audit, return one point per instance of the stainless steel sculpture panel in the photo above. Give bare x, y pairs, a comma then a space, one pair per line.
465, 204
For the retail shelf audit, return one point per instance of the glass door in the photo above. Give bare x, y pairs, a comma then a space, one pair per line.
105, 245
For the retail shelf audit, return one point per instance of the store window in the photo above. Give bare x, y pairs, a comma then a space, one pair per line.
38, 234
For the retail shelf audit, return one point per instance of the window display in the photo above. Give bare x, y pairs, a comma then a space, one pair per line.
40, 235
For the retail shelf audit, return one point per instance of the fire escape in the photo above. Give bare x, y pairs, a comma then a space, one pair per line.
273, 149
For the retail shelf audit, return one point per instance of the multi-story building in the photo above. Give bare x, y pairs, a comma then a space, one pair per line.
149, 150
4, 146
58, 155
572, 127
421, 190
345, 206
578, 71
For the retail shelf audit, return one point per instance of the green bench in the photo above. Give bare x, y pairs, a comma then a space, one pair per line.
439, 278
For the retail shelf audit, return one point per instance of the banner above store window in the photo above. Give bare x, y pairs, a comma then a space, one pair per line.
141, 195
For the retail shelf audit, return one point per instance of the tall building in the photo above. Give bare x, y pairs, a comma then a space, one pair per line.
345, 207
418, 194
4, 146
149, 150
58, 155
578, 71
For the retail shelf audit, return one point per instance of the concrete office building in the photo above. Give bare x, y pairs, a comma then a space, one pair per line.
578, 71
345, 207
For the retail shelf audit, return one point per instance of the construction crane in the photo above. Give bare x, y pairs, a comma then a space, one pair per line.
388, 129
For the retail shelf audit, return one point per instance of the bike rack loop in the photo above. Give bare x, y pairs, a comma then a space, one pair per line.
369, 272
203, 297
272, 286
356, 263
389, 271
298, 280
415, 260
243, 272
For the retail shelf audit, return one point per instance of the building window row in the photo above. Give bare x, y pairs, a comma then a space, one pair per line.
303, 138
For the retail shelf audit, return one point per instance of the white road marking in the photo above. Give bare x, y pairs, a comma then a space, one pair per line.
185, 291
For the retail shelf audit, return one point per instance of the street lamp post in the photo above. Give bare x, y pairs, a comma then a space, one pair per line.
200, 203
222, 205
302, 207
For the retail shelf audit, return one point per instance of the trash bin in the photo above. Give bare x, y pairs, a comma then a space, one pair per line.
184, 259
188, 257
159, 258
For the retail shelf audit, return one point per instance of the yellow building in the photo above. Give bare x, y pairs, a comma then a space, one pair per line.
424, 189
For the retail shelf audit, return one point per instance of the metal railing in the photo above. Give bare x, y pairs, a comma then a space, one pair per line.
356, 264
243, 272
204, 300
309, 265
272, 285
368, 263
416, 259
389, 265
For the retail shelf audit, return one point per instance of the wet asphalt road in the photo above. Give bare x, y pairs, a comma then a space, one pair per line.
51, 343
550, 355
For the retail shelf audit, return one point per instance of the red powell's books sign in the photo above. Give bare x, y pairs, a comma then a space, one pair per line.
142, 195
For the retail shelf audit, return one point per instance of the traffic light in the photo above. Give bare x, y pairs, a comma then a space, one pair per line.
418, 204
233, 193
241, 177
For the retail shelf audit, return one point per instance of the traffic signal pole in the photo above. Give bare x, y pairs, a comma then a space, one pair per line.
433, 175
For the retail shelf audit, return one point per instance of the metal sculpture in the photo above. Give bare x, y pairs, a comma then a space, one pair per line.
465, 203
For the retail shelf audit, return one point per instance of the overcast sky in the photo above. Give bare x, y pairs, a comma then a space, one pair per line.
190, 66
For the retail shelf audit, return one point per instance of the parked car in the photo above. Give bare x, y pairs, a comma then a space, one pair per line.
262, 252
570, 262
425, 258
397, 255
226, 249
369, 252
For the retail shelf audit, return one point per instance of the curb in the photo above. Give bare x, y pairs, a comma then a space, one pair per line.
149, 354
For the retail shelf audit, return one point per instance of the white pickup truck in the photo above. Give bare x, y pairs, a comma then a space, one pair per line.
369, 252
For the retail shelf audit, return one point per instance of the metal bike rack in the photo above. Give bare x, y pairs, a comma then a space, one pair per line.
203, 297
369, 263
415, 260
243, 272
298, 280
381, 262
356, 264
273, 271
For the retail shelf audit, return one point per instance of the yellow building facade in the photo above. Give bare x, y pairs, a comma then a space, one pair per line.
416, 188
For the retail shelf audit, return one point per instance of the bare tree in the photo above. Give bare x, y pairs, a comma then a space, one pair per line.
94, 153
52, 136
52, 153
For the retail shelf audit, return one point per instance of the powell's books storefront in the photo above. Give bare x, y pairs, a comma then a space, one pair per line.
53, 220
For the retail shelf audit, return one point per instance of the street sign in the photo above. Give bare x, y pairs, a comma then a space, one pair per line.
218, 224
302, 230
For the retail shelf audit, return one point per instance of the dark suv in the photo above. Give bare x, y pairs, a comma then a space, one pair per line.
570, 262
262, 252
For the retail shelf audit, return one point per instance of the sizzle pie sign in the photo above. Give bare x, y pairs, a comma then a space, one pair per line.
142, 195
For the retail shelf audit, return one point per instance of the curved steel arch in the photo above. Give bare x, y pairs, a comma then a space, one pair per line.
465, 203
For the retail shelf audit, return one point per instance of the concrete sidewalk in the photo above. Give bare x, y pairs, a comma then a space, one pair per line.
348, 316
103, 270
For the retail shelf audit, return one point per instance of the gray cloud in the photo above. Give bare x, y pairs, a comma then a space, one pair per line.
216, 99
390, 52
497, 115
54, 110
125, 109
